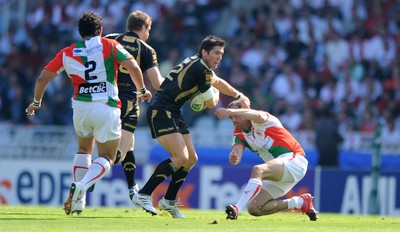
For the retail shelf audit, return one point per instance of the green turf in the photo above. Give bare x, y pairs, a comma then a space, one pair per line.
44, 218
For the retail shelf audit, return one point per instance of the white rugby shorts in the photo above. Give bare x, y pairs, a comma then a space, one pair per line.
96, 119
294, 170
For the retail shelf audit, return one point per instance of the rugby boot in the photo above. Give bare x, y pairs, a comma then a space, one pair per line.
308, 207
171, 209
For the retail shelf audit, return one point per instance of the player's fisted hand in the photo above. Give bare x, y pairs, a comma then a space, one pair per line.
31, 109
245, 101
145, 97
221, 113
234, 158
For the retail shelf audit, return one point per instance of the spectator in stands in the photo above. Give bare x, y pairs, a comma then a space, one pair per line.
370, 88
368, 122
295, 48
337, 51
253, 57
288, 85
95, 102
327, 139
170, 31
390, 136
357, 46
291, 118
283, 23
346, 89
284, 163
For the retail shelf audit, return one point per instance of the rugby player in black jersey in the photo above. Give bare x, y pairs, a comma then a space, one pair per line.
133, 40
168, 125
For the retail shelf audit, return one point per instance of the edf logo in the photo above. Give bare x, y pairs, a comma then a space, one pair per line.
4, 184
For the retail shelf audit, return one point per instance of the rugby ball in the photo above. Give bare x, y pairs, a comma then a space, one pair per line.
197, 104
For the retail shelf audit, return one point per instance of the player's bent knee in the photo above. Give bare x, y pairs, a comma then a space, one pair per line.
180, 161
257, 170
192, 161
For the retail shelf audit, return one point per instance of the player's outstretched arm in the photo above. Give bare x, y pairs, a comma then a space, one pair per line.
225, 88
256, 116
41, 84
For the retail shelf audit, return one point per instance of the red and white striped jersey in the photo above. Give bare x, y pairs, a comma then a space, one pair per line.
268, 140
92, 65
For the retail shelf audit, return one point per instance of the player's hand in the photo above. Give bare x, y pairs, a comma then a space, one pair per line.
245, 101
31, 109
221, 113
144, 97
234, 158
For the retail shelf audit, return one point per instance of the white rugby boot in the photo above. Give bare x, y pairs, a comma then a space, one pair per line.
145, 201
132, 191
171, 209
75, 202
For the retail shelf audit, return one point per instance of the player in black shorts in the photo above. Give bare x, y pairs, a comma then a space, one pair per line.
168, 126
133, 40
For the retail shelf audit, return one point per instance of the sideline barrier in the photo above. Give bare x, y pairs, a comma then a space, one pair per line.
363, 160
207, 187
219, 156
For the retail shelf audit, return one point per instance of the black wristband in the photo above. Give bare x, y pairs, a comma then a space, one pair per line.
143, 90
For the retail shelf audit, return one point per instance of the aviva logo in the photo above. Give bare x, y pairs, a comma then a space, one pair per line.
7, 185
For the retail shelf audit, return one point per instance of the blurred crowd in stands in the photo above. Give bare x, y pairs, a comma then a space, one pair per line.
293, 58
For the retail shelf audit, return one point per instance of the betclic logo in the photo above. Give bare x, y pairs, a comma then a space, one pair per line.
90, 88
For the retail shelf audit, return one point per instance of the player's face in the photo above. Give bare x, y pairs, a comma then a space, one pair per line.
240, 123
145, 33
213, 57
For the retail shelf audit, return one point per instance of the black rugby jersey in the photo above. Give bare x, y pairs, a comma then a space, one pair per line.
144, 54
181, 83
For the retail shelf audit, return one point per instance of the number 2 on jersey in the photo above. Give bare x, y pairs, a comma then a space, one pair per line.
91, 66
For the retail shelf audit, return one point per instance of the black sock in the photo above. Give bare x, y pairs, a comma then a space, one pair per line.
129, 166
162, 172
178, 178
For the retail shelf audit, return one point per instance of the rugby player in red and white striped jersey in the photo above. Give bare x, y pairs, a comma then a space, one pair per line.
284, 163
92, 65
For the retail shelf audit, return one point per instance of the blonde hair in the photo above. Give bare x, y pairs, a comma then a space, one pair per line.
137, 19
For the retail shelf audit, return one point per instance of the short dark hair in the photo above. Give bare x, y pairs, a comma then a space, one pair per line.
136, 20
210, 42
90, 24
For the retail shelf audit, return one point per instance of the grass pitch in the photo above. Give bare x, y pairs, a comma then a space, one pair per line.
44, 218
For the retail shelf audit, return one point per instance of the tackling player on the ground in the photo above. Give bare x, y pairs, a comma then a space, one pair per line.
133, 40
285, 163
168, 125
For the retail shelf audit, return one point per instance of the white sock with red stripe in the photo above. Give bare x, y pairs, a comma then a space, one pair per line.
251, 190
99, 168
81, 165
295, 203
